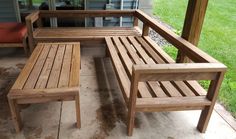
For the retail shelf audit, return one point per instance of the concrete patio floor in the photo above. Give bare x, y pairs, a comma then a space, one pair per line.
103, 112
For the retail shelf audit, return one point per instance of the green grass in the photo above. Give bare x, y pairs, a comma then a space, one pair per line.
218, 37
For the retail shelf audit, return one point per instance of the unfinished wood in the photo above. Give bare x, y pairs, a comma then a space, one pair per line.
31, 93
56, 69
44, 76
65, 70
50, 74
81, 33
33, 77
44, 99
22, 78
75, 66
15, 113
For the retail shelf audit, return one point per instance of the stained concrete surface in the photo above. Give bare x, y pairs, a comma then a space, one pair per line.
103, 111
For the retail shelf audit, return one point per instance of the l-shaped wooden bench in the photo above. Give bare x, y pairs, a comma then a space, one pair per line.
149, 78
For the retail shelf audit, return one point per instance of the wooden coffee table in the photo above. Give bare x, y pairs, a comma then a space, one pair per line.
51, 74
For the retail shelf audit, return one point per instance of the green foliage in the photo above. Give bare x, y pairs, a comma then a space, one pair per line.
217, 38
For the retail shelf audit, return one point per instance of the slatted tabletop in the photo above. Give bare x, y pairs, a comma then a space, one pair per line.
52, 69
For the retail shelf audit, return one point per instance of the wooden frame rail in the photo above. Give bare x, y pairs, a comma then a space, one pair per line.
180, 43
191, 51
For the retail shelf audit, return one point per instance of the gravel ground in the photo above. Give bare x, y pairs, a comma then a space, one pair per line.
156, 37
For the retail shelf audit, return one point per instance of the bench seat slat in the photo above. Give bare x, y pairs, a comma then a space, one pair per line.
82, 33
128, 65
22, 78
75, 66
56, 69
66, 65
43, 78
33, 77
119, 69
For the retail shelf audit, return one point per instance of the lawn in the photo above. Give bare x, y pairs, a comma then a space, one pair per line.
218, 37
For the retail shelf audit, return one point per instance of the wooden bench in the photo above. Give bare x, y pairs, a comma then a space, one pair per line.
82, 34
50, 74
152, 81
149, 78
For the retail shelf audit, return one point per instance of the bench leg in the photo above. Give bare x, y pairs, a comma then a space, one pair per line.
204, 119
77, 106
15, 112
131, 117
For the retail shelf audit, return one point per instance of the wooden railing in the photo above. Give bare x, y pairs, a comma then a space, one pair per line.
195, 54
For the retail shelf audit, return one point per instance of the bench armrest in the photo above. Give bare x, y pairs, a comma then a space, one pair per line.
180, 43
30, 20
178, 72
174, 72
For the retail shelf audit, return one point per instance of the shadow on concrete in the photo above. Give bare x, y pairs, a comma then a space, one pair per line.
113, 108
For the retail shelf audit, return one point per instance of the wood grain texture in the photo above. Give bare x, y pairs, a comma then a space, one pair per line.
50, 74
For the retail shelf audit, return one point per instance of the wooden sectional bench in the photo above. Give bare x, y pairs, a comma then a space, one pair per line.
149, 78
50, 74
152, 81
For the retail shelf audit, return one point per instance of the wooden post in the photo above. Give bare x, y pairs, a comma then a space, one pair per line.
135, 21
212, 96
145, 30
30, 34
132, 102
193, 25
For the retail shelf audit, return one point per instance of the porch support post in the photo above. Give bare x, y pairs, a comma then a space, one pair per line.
194, 19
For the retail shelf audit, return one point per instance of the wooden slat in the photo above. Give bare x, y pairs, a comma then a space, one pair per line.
33, 77
123, 77
158, 50
169, 89
156, 88
65, 71
183, 88
21, 79
125, 58
172, 102
44, 76
82, 33
75, 66
150, 51
56, 69
140, 50
131, 51
128, 64
196, 88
